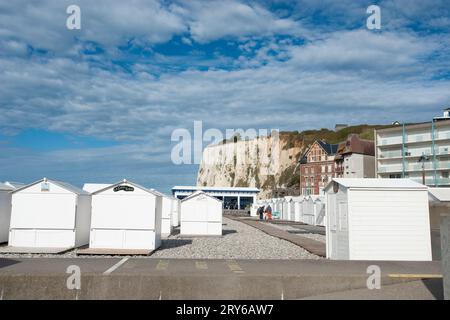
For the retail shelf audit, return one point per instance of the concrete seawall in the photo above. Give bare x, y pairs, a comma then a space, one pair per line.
179, 287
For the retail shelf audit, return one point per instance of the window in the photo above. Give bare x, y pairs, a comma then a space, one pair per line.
45, 186
444, 174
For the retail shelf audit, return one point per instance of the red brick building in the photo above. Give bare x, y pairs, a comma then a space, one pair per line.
317, 167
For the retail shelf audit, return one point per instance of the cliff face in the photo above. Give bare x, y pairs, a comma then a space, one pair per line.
265, 163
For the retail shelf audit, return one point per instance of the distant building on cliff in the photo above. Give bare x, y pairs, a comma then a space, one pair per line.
340, 126
322, 161
317, 167
355, 158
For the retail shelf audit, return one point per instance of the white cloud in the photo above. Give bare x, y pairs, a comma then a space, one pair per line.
212, 20
110, 23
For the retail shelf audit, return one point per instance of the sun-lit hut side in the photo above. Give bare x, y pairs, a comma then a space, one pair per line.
176, 212
377, 219
126, 217
49, 214
167, 213
201, 215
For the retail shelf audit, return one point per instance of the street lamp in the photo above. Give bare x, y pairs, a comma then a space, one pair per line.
422, 159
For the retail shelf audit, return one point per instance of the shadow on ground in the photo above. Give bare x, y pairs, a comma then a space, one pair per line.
227, 232
436, 287
4, 262
174, 243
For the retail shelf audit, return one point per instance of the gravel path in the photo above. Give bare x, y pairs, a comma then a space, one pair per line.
313, 236
239, 241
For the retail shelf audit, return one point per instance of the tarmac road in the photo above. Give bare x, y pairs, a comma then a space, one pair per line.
213, 279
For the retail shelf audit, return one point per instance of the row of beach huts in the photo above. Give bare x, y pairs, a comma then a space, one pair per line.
372, 219
306, 209
364, 219
50, 216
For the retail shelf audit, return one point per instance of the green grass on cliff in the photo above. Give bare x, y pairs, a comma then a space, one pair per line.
307, 137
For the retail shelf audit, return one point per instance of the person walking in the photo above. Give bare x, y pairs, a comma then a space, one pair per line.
261, 212
269, 212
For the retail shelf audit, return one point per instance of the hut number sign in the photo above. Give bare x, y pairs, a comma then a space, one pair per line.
123, 188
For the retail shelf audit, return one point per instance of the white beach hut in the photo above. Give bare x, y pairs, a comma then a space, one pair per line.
254, 210
201, 214
176, 212
439, 203
278, 208
287, 203
291, 209
319, 211
5, 211
49, 214
377, 219
308, 210
298, 208
166, 213
125, 216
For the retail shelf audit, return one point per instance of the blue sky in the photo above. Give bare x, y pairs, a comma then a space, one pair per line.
100, 104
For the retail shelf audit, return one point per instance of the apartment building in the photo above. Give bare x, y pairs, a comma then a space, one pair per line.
416, 151
355, 158
317, 167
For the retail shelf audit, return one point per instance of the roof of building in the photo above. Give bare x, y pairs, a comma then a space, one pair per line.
370, 183
328, 147
4, 187
418, 125
354, 144
440, 194
61, 184
206, 189
161, 194
198, 193
92, 187
14, 184
127, 182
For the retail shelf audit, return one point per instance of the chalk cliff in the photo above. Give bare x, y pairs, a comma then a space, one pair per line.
264, 162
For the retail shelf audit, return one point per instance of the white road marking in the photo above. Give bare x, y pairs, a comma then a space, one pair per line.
117, 265
414, 275
162, 265
201, 265
234, 266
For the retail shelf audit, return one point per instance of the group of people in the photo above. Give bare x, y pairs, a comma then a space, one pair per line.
265, 212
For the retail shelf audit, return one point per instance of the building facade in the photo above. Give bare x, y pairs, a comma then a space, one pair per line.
317, 167
355, 158
417, 151
232, 197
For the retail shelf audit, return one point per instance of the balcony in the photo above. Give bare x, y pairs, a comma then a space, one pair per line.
390, 169
382, 142
390, 154
443, 181
440, 136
